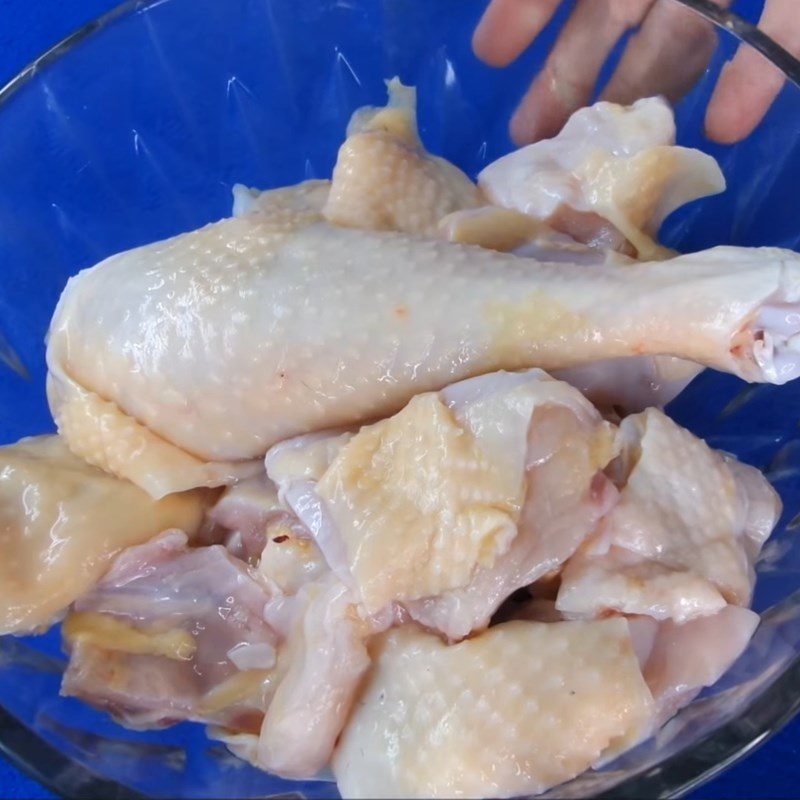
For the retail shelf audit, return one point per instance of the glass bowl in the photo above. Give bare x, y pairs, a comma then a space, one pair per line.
137, 127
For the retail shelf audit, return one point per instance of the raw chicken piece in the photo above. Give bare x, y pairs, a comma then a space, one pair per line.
563, 249
679, 660
762, 506
419, 502
385, 180
325, 632
685, 534
506, 230
104, 436
326, 659
458, 500
520, 708
61, 524
631, 384
598, 233
683, 505
247, 506
612, 170
304, 458
308, 196
624, 581
218, 343
296, 465
173, 633
246, 509
265, 532
564, 449
291, 558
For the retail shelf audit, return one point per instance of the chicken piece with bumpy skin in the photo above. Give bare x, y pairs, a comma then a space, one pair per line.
458, 500
224, 341
63, 521
624, 581
515, 710
683, 538
566, 447
385, 180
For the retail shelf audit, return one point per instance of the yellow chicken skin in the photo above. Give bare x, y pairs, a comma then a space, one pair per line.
63, 521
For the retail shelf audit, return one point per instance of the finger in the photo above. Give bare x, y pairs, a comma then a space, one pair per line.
507, 27
570, 74
749, 84
746, 89
667, 55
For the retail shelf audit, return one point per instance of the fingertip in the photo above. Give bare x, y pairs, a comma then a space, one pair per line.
489, 39
479, 44
508, 27
521, 128
718, 130
749, 83
665, 56
485, 47
540, 114
720, 114
745, 90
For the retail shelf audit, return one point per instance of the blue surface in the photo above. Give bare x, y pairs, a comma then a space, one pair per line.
27, 29
13, 784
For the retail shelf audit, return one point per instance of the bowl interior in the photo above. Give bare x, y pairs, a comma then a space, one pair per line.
140, 130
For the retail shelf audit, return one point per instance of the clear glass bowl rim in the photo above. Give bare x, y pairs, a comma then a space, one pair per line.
673, 777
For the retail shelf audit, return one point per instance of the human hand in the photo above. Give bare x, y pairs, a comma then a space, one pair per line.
665, 56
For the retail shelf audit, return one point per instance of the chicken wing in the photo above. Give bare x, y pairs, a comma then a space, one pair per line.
610, 177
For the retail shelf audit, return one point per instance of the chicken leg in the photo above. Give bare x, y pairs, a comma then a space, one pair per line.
206, 349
